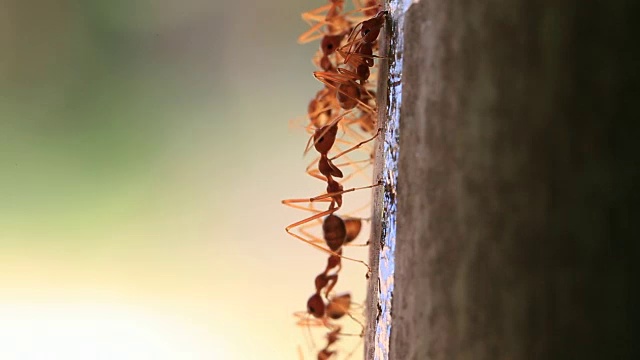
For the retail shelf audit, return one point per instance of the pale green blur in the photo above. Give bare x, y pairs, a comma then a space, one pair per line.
144, 150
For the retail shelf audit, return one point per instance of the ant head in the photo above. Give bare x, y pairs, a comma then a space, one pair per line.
324, 138
371, 28
330, 43
325, 354
315, 306
353, 227
334, 232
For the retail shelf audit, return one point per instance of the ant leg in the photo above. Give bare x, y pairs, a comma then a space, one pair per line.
326, 78
307, 220
300, 355
315, 173
354, 349
324, 132
314, 33
332, 280
359, 170
329, 195
316, 14
348, 131
359, 323
294, 204
354, 33
356, 146
306, 321
304, 232
321, 248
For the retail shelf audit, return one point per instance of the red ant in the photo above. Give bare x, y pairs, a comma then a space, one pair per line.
369, 7
358, 51
335, 308
324, 138
336, 233
335, 22
336, 199
349, 92
322, 315
368, 29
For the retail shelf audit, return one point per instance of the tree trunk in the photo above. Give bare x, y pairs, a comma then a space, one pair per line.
517, 181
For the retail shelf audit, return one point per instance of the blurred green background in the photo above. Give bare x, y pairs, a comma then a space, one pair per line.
144, 150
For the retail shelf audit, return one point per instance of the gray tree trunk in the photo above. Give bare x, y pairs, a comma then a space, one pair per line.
518, 181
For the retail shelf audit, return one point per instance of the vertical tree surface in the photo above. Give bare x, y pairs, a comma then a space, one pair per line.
516, 196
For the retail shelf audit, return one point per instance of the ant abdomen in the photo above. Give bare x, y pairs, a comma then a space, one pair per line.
338, 306
353, 227
348, 95
335, 232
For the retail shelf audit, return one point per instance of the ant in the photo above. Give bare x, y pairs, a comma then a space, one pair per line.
323, 140
349, 92
331, 15
336, 233
336, 203
335, 22
369, 30
326, 167
370, 7
358, 51
323, 314
328, 46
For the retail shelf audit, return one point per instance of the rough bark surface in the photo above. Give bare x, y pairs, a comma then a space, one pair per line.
518, 181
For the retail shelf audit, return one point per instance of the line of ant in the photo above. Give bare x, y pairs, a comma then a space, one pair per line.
345, 59
323, 308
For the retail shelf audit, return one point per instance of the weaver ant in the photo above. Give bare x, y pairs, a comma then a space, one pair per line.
349, 92
369, 7
334, 195
322, 315
369, 30
324, 139
335, 22
334, 309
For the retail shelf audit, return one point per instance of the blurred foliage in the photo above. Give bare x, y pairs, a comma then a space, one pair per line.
99, 99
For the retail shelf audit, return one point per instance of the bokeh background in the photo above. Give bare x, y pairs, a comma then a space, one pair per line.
144, 150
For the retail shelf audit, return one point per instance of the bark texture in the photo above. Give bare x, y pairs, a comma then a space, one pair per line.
518, 182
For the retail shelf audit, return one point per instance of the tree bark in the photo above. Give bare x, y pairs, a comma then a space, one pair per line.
517, 184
